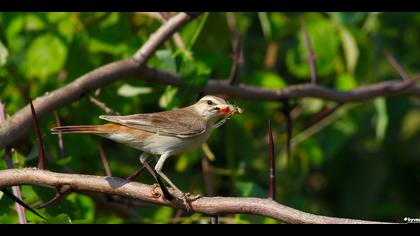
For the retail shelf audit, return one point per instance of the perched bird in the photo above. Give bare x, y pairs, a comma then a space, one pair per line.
162, 133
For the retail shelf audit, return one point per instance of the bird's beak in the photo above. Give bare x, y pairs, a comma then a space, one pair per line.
228, 109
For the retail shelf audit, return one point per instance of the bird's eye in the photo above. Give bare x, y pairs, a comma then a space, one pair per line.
209, 102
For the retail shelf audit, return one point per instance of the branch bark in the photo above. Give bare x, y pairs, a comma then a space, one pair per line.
205, 205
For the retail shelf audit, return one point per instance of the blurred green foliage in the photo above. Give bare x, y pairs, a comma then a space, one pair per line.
361, 162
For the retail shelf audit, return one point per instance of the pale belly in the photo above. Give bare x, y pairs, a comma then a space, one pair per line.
158, 144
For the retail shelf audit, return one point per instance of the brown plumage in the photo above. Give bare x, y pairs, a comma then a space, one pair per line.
182, 123
163, 133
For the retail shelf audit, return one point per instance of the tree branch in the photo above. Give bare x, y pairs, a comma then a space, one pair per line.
160, 36
205, 205
16, 126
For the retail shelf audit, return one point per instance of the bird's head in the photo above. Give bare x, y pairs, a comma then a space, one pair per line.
212, 107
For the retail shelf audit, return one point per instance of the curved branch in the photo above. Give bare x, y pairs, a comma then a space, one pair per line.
205, 205
362, 93
17, 125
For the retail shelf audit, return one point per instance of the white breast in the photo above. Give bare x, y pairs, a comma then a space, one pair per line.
157, 144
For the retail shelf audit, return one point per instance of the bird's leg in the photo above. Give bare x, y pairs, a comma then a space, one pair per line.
158, 169
143, 160
185, 197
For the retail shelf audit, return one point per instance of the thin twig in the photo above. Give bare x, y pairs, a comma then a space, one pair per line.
22, 203
62, 191
165, 16
136, 173
214, 219
322, 115
60, 135
178, 216
104, 160
236, 47
40, 141
204, 205
2, 112
20, 209
311, 56
272, 165
391, 59
125, 211
235, 61
9, 163
102, 106
208, 176
287, 109
404, 85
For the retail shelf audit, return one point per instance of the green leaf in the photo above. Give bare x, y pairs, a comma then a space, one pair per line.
345, 82
182, 163
64, 161
59, 219
313, 152
46, 56
349, 18
198, 30
33, 154
381, 118
351, 51
55, 17
163, 215
265, 25
34, 22
85, 207
192, 72
249, 189
101, 46
268, 80
15, 41
324, 41
168, 99
166, 61
3, 54
127, 90
67, 28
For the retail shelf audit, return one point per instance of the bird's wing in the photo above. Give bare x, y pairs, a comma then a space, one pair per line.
183, 123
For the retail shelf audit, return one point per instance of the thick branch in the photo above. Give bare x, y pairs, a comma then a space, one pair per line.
15, 127
205, 205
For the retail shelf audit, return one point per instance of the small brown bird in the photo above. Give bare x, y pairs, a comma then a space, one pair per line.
162, 133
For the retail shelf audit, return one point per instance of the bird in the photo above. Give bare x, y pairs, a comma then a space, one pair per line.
165, 133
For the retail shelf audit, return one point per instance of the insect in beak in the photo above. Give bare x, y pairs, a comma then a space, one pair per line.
228, 112
224, 111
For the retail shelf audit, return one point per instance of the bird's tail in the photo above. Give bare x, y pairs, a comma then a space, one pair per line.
82, 129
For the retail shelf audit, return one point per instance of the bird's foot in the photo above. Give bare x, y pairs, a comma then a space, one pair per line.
178, 197
185, 198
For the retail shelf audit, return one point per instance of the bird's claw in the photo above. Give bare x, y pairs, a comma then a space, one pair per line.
186, 198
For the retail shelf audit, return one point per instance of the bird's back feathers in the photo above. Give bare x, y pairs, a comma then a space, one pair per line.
182, 123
